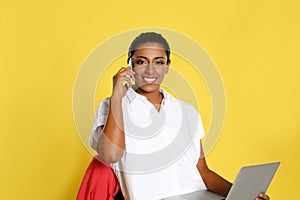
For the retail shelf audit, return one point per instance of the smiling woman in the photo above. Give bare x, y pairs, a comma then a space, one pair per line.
150, 66
176, 129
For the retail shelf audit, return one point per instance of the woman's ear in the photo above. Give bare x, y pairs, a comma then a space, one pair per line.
167, 67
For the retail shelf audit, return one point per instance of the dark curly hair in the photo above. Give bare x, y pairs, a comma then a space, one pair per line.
149, 37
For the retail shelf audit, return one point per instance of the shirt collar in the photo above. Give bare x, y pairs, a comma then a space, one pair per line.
166, 95
131, 95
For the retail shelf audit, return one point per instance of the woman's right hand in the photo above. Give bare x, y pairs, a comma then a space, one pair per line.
123, 75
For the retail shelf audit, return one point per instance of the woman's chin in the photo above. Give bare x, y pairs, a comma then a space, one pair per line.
148, 87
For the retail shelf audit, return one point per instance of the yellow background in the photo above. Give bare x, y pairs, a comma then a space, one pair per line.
255, 45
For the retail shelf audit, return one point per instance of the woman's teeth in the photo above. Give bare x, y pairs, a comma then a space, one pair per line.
149, 79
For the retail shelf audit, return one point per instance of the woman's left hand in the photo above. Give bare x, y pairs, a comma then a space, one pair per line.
263, 196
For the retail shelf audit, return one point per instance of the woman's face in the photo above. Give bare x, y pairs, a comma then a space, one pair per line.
150, 66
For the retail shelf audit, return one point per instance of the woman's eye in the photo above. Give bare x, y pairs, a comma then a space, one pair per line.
140, 62
159, 62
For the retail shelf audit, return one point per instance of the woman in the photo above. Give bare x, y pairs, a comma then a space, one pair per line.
126, 124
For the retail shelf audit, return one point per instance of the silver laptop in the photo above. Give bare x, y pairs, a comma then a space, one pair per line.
249, 183
252, 180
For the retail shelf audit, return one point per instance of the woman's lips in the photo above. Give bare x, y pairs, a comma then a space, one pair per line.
149, 79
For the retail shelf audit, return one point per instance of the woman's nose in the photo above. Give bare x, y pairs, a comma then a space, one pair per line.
149, 68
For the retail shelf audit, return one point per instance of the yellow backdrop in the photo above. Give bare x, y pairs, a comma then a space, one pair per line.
255, 45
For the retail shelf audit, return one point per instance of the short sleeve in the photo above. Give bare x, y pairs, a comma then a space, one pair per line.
100, 119
198, 133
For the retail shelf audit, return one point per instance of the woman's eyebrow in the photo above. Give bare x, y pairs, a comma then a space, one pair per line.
159, 57
141, 57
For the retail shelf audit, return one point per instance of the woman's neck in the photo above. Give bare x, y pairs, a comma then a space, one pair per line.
155, 97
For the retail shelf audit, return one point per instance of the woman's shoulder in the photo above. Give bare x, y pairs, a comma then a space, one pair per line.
185, 106
104, 103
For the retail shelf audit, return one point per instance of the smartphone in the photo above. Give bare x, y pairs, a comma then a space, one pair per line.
130, 65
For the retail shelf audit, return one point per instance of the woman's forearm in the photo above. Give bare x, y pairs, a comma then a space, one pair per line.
111, 143
213, 181
217, 184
